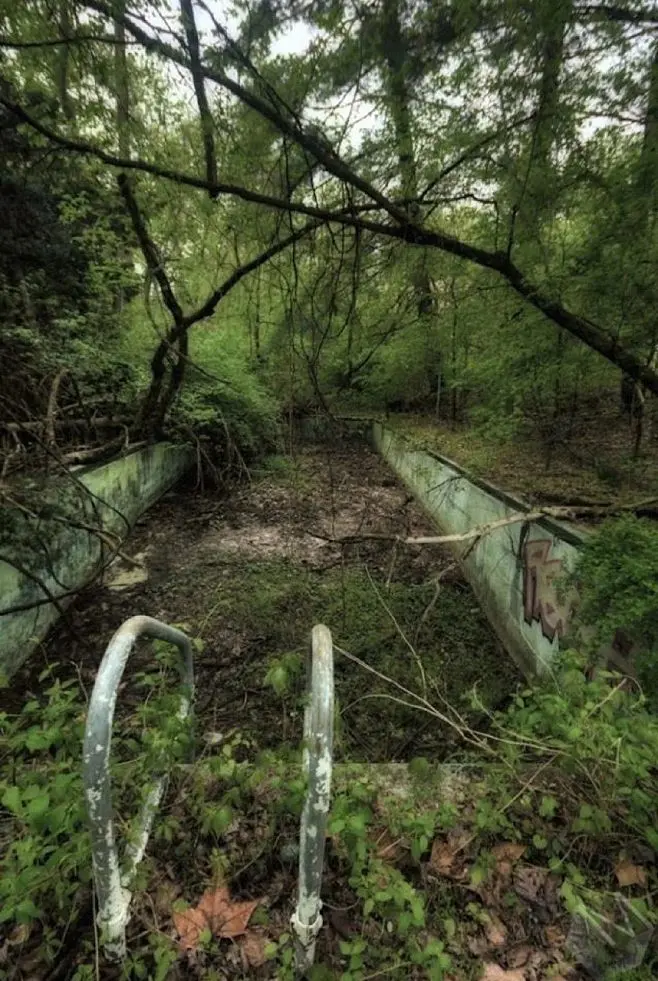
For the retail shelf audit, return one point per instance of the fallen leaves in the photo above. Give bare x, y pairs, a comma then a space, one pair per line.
508, 851
496, 931
447, 859
215, 912
529, 882
252, 949
492, 972
519, 956
504, 934
629, 874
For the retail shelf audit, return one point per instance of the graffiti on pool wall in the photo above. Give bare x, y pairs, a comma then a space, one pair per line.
540, 594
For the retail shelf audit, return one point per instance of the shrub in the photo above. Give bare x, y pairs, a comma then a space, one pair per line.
238, 414
617, 578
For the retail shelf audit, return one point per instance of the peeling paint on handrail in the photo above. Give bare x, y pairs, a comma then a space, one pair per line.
318, 749
111, 884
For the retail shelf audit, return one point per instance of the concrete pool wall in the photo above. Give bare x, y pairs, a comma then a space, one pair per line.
513, 570
110, 497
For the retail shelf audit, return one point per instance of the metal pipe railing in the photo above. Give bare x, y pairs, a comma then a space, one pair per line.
111, 883
318, 757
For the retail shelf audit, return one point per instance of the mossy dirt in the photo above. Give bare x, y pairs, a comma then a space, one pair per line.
393, 626
595, 467
311, 539
429, 871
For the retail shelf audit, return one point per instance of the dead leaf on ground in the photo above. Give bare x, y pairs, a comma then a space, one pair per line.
226, 918
552, 894
498, 882
519, 956
478, 945
529, 881
215, 912
629, 874
508, 851
252, 949
534, 968
496, 931
555, 935
493, 972
446, 859
190, 924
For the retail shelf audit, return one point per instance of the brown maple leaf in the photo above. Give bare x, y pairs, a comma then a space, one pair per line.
508, 851
493, 972
446, 859
190, 924
216, 912
252, 949
226, 918
629, 874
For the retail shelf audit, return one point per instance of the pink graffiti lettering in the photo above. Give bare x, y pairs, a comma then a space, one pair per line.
540, 599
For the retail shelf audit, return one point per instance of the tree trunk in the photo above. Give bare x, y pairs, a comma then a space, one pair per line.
395, 61
62, 60
396, 70
256, 326
122, 109
647, 181
205, 116
121, 86
536, 193
641, 220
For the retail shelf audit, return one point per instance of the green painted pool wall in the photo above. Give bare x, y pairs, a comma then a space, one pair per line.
117, 494
457, 502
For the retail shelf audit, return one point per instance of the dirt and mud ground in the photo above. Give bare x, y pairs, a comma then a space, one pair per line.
248, 573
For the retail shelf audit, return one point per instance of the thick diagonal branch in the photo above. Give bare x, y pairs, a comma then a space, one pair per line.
616, 13
290, 127
585, 330
156, 268
150, 251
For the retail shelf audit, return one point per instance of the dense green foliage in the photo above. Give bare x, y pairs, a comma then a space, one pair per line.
569, 779
443, 207
529, 132
617, 577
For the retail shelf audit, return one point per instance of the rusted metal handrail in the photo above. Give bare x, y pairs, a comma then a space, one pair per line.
318, 757
111, 883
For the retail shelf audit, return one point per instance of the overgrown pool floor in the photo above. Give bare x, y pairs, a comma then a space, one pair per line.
250, 572
418, 878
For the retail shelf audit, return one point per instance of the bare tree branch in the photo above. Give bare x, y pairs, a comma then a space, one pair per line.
207, 126
208, 308
51, 411
590, 333
7, 42
148, 247
289, 126
157, 270
613, 12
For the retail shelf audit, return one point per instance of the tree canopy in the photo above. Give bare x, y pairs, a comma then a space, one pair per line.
332, 203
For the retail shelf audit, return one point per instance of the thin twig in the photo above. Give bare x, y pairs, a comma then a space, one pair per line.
414, 652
